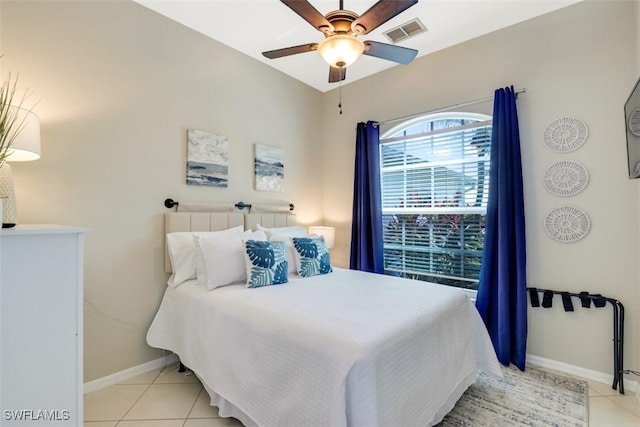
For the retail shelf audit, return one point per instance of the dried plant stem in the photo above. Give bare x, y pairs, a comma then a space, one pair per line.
11, 121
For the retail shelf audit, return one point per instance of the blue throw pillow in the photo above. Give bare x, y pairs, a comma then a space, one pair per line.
312, 256
266, 263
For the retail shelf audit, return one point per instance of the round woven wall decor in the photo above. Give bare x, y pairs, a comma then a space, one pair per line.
566, 178
565, 135
634, 122
567, 224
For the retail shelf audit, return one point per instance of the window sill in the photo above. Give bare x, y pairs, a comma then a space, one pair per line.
471, 294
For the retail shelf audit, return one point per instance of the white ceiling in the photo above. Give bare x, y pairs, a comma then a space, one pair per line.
254, 26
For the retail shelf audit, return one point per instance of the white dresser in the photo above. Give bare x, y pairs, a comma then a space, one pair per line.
41, 268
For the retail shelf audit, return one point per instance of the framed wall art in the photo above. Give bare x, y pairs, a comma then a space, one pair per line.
207, 159
269, 168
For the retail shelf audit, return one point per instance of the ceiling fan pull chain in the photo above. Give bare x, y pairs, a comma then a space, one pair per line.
340, 92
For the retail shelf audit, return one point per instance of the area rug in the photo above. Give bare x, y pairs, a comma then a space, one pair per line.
531, 398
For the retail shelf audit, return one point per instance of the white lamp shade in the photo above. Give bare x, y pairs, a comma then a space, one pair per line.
26, 146
328, 233
340, 50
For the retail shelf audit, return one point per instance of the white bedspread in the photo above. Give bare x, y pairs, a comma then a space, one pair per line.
343, 349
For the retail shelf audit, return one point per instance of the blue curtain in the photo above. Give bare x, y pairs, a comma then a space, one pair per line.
366, 223
502, 289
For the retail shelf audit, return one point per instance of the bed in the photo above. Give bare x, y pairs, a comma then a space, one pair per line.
341, 349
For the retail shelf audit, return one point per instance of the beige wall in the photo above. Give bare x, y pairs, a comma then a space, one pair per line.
118, 87
576, 62
638, 34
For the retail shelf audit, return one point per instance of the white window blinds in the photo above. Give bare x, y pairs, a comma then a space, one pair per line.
435, 177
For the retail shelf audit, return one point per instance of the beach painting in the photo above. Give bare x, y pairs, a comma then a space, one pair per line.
207, 159
269, 168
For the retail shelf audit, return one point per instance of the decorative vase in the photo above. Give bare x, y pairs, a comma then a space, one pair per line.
7, 193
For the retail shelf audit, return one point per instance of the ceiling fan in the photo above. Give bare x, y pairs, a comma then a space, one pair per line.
341, 47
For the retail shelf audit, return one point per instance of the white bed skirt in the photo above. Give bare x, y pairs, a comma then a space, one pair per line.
227, 409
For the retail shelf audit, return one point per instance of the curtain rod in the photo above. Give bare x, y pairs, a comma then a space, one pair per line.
464, 104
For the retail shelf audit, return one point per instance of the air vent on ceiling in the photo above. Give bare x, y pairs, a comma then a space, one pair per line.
406, 30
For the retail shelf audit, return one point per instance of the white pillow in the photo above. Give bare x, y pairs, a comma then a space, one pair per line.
284, 234
182, 253
291, 231
223, 259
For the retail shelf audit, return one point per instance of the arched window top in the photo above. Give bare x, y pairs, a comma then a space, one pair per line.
434, 121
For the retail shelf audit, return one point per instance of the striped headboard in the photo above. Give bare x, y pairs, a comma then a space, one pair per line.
214, 221
269, 220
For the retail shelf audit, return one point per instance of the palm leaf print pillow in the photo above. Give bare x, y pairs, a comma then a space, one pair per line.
312, 256
266, 263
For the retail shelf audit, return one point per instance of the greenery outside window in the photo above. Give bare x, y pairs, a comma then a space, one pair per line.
435, 180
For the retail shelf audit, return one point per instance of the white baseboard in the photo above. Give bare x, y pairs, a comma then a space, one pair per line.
601, 377
129, 373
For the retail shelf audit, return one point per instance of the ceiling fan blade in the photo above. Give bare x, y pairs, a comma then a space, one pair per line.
309, 14
337, 74
293, 50
399, 54
380, 13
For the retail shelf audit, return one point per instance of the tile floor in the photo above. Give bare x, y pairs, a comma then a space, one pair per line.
167, 398
607, 407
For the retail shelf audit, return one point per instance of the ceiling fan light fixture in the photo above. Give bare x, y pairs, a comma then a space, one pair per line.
341, 50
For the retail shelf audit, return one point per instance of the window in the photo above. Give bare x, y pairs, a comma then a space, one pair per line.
435, 180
